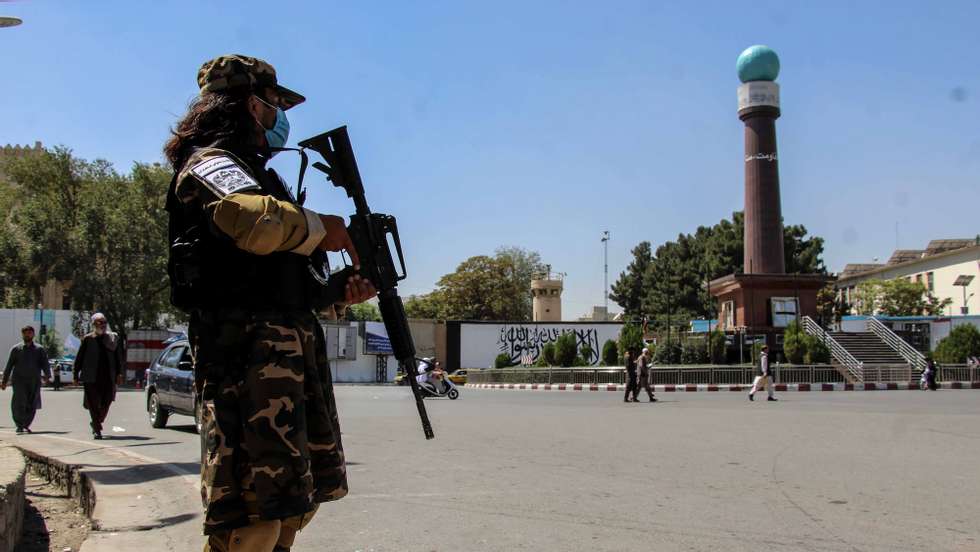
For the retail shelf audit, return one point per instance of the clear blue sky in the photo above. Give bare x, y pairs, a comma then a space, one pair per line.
541, 124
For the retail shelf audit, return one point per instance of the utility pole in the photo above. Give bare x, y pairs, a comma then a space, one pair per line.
605, 264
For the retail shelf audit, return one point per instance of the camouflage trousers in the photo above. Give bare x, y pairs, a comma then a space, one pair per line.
271, 436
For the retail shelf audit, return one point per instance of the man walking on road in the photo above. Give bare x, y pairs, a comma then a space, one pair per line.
25, 366
643, 364
99, 365
764, 377
631, 387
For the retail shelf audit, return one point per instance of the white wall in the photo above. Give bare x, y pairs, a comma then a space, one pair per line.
12, 320
362, 369
481, 343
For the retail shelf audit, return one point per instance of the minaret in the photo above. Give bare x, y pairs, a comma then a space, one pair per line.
758, 108
546, 292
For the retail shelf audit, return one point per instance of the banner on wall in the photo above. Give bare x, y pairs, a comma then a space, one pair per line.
481, 343
376, 340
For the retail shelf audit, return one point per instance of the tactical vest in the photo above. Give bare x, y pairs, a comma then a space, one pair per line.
208, 271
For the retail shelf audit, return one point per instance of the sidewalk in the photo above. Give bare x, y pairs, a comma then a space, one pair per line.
135, 502
781, 387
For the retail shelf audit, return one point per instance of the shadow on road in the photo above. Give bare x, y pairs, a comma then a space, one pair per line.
142, 473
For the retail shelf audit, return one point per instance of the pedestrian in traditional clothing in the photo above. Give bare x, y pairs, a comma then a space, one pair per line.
643, 366
631, 377
26, 367
764, 377
99, 366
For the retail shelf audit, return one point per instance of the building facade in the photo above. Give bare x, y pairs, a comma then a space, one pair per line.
948, 269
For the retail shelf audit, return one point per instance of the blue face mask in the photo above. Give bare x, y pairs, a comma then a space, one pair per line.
279, 133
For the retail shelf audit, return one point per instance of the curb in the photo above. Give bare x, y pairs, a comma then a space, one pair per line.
132, 501
12, 472
781, 387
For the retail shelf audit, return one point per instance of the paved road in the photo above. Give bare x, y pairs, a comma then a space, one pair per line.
518, 470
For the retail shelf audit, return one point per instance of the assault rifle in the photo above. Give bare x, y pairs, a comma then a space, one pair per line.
370, 232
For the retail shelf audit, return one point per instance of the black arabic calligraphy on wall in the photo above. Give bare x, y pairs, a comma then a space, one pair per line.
518, 341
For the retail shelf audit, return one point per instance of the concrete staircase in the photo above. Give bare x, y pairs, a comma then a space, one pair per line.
867, 348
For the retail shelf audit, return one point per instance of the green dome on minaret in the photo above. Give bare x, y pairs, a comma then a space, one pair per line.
757, 63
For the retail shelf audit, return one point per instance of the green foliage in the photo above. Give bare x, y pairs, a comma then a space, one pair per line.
364, 311
550, 354
482, 288
51, 343
580, 361
830, 308
80, 221
610, 353
630, 338
717, 352
673, 278
897, 297
566, 349
586, 353
502, 361
961, 343
794, 343
542, 362
667, 353
817, 351
694, 351
628, 290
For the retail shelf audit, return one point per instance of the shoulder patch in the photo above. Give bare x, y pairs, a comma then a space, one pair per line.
224, 175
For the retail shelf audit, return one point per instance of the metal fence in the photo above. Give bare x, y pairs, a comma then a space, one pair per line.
715, 374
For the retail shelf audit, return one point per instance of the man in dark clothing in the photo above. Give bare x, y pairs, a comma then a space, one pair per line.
99, 365
25, 366
631, 388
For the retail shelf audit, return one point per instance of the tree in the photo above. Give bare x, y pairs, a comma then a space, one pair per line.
482, 288
83, 223
694, 351
610, 353
364, 311
963, 342
427, 306
502, 361
675, 281
628, 290
550, 354
667, 353
897, 297
630, 338
566, 349
794, 343
525, 265
817, 351
717, 347
830, 308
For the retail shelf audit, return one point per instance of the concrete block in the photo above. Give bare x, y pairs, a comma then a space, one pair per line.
12, 469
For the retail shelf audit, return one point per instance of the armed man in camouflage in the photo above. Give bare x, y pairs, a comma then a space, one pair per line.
239, 265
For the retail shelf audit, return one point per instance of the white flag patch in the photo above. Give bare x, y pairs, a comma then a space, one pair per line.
224, 176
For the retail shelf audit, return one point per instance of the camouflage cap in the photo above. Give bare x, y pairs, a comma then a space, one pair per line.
237, 72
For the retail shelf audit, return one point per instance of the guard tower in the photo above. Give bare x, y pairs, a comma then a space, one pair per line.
546, 290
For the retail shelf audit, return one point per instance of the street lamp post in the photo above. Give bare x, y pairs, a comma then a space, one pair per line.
964, 281
605, 264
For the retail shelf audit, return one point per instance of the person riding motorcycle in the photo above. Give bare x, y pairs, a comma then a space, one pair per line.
431, 375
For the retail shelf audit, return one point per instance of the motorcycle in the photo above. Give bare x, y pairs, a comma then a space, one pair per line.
449, 388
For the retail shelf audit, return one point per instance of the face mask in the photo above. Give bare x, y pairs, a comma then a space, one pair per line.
279, 133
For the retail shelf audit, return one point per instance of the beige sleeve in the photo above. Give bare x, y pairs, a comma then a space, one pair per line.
261, 224
233, 200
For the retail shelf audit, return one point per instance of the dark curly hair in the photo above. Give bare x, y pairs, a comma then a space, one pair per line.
210, 117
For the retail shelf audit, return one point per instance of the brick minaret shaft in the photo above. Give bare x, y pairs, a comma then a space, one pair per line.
763, 216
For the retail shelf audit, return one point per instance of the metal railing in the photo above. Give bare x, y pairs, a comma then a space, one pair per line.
659, 375
716, 374
958, 372
840, 354
887, 372
908, 352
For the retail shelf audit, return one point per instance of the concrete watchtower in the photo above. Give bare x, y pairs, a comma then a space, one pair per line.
546, 292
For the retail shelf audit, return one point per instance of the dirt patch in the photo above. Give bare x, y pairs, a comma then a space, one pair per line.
52, 520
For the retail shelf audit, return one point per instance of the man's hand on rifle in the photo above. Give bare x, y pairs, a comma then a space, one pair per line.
358, 290
337, 238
